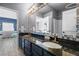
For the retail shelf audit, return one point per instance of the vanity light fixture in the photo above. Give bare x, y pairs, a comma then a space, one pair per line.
70, 5
35, 7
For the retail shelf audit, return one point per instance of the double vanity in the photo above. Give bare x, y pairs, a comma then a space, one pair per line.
37, 45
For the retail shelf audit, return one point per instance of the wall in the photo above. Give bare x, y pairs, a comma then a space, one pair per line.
57, 22
23, 18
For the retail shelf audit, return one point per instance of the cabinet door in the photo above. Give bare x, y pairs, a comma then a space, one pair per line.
46, 53
27, 47
37, 49
20, 42
27, 53
34, 53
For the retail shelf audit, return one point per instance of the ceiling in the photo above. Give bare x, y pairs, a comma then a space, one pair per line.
58, 6
26, 6
10, 5
16, 6
55, 6
51, 6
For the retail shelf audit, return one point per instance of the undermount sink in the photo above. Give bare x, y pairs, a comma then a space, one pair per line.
52, 45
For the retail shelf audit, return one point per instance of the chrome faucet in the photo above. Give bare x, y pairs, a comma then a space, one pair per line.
55, 37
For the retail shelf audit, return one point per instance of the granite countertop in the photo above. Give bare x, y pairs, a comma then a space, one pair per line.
57, 52
39, 42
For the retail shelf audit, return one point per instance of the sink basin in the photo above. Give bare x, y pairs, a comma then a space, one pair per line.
52, 45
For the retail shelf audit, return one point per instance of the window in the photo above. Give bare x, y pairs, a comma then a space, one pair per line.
7, 26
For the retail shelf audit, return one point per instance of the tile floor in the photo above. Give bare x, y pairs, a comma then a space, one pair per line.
9, 47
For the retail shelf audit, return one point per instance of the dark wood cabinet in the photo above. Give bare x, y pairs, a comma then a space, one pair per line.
31, 49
